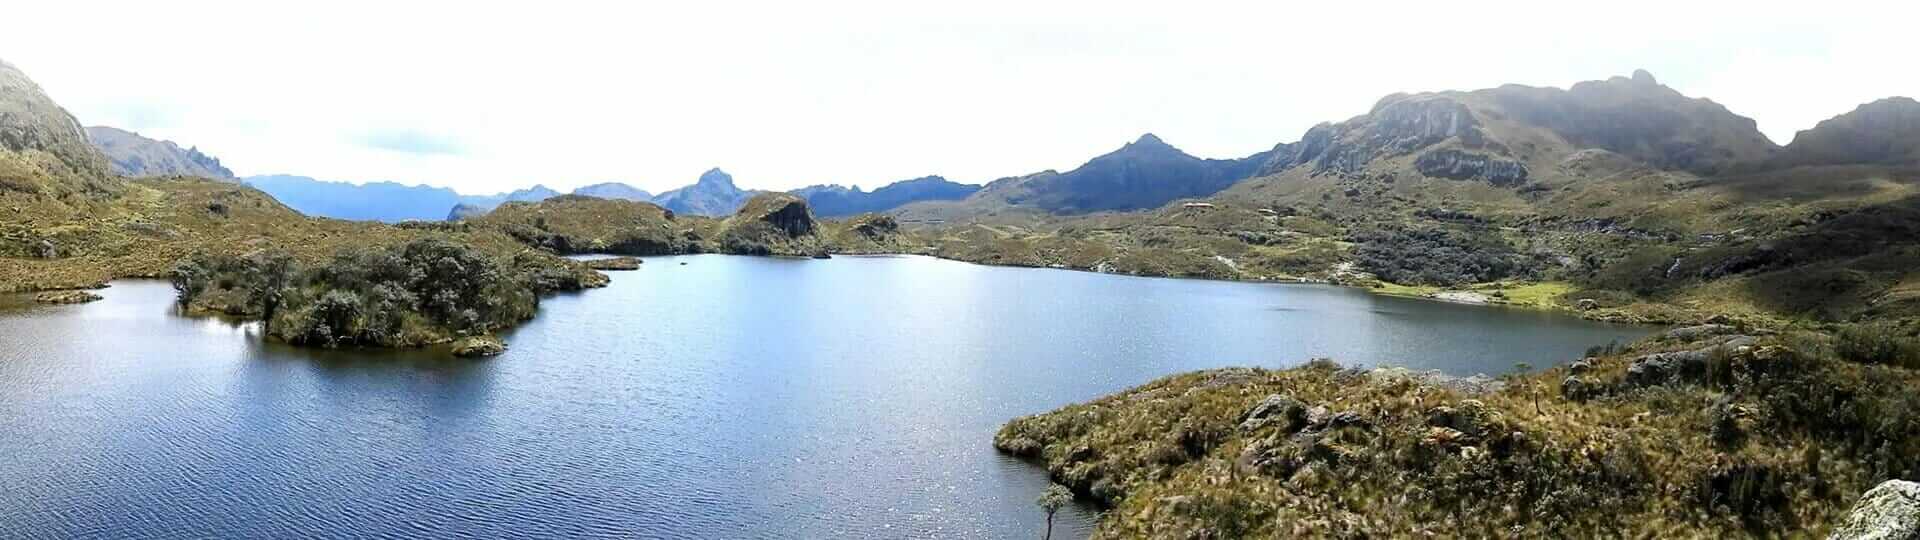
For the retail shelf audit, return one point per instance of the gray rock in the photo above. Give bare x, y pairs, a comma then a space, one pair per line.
1581, 366
1287, 413
1890, 511
1661, 368
1693, 333
1458, 165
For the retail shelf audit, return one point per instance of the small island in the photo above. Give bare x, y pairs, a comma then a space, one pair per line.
65, 297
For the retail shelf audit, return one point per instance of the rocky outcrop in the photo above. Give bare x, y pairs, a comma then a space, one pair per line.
1890, 511
1458, 165
1697, 332
786, 213
874, 227
1690, 366
1277, 410
478, 346
771, 224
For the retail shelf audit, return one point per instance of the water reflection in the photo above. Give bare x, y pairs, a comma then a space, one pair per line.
730, 397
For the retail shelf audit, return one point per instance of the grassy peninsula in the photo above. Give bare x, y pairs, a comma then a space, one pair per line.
1702, 432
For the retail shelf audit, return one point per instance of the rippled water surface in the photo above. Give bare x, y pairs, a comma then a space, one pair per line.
728, 397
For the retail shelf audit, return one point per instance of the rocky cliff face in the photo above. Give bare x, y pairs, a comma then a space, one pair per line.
1458, 165
770, 224
1885, 132
786, 213
130, 154
43, 151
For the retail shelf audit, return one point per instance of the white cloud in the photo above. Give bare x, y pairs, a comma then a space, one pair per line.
787, 94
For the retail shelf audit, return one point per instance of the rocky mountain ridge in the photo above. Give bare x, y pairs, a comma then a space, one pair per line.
131, 154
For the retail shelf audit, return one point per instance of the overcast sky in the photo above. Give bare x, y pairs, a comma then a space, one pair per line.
785, 94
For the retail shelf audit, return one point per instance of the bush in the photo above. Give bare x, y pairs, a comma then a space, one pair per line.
1439, 256
1878, 343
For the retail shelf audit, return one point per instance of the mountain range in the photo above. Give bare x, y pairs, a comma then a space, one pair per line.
834, 200
380, 201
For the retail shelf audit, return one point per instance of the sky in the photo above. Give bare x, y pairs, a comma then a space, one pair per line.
786, 94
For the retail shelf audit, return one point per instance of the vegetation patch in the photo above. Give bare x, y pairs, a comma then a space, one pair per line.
425, 291
1737, 435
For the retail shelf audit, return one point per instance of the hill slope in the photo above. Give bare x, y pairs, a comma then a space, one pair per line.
133, 155
44, 152
1884, 132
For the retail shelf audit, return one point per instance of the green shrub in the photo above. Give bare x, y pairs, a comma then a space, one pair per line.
1879, 343
1439, 256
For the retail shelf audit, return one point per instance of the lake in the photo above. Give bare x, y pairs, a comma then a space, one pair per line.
727, 397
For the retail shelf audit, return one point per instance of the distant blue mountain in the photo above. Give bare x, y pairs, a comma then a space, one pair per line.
839, 201
614, 190
379, 201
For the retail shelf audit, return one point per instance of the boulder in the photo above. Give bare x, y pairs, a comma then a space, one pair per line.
1587, 304
1582, 366
1287, 413
478, 346
1695, 333
1578, 389
1471, 418
1890, 511
65, 297
1661, 368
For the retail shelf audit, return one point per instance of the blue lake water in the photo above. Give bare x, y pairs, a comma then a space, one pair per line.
729, 397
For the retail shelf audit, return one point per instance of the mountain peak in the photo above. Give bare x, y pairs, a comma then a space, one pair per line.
1643, 77
1149, 139
715, 176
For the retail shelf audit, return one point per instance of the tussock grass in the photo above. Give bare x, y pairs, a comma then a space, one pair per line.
1763, 441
